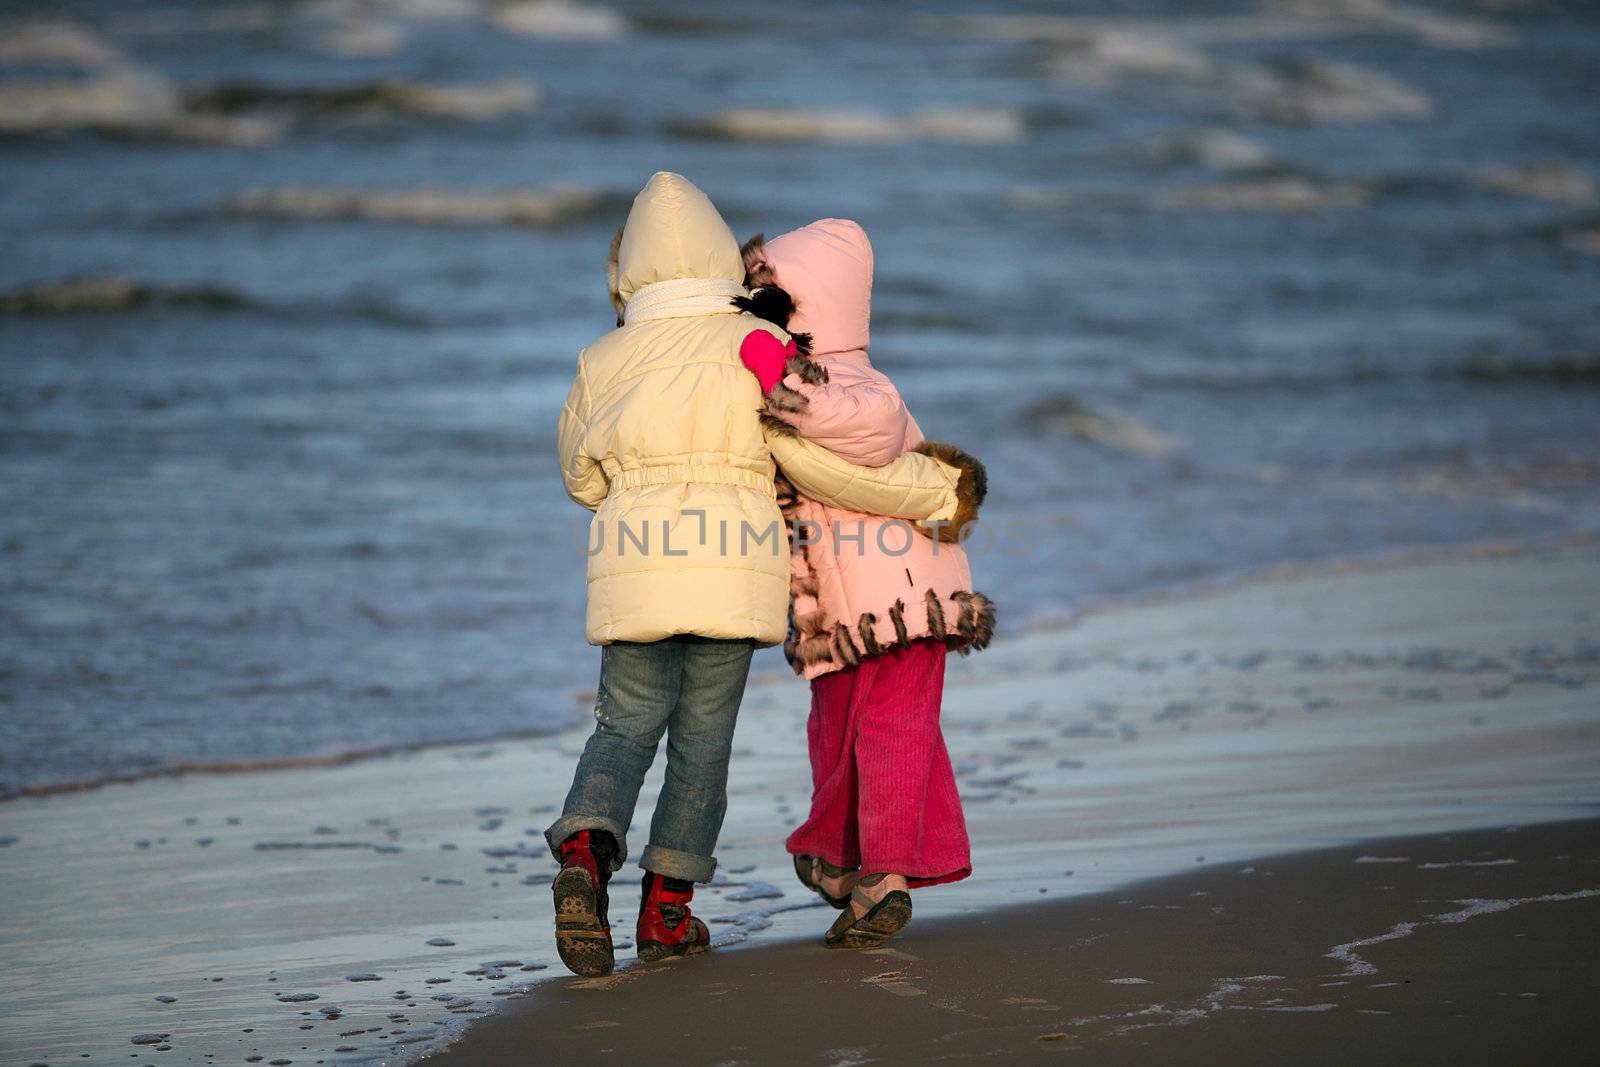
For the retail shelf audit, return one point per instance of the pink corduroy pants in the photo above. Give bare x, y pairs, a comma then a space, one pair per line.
883, 792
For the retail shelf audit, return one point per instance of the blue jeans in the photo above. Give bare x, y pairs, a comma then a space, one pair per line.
688, 688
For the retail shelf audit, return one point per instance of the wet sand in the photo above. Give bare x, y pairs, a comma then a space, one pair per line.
1463, 948
1294, 712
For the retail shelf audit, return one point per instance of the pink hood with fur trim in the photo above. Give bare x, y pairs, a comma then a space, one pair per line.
867, 582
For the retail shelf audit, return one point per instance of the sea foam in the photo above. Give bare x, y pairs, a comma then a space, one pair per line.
423, 207
851, 126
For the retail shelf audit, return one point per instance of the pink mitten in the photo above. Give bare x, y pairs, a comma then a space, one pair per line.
765, 355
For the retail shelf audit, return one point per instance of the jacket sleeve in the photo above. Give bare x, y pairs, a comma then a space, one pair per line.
918, 486
863, 423
580, 473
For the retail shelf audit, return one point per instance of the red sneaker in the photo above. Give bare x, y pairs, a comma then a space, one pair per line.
583, 933
665, 926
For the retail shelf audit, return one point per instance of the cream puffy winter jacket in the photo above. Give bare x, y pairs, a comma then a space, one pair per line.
662, 437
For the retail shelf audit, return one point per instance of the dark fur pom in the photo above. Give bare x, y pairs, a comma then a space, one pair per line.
784, 398
976, 624
897, 615
778, 426
983, 625
805, 368
869, 639
845, 646
935, 616
815, 649
809, 623
964, 619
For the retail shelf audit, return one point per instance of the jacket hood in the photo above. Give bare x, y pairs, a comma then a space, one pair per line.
673, 231
826, 268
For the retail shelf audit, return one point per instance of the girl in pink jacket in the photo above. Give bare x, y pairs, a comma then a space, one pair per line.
875, 605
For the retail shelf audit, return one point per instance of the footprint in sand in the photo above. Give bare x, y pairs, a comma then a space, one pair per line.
1031, 1004
902, 989
895, 982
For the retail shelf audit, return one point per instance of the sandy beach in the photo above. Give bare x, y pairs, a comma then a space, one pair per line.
366, 913
1458, 948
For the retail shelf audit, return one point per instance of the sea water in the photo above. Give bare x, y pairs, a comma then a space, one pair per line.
292, 295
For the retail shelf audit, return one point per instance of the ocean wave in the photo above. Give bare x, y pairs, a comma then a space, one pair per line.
123, 98
1277, 20
1267, 188
1562, 371
1166, 62
1307, 90
411, 10
374, 99
1265, 380
1582, 238
1266, 195
133, 103
1285, 90
145, 21
1559, 371
927, 319
105, 293
53, 42
1553, 182
360, 39
843, 126
1347, 18
1065, 414
559, 19
244, 131
1279, 194
1104, 56
360, 29
349, 29
124, 103
1217, 149
425, 207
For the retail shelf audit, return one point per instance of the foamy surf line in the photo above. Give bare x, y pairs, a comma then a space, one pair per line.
1204, 587
364, 913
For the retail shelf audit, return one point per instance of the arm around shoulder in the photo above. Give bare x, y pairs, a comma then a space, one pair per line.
937, 486
864, 422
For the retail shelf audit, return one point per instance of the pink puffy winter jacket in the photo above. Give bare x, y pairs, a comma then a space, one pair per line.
866, 583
